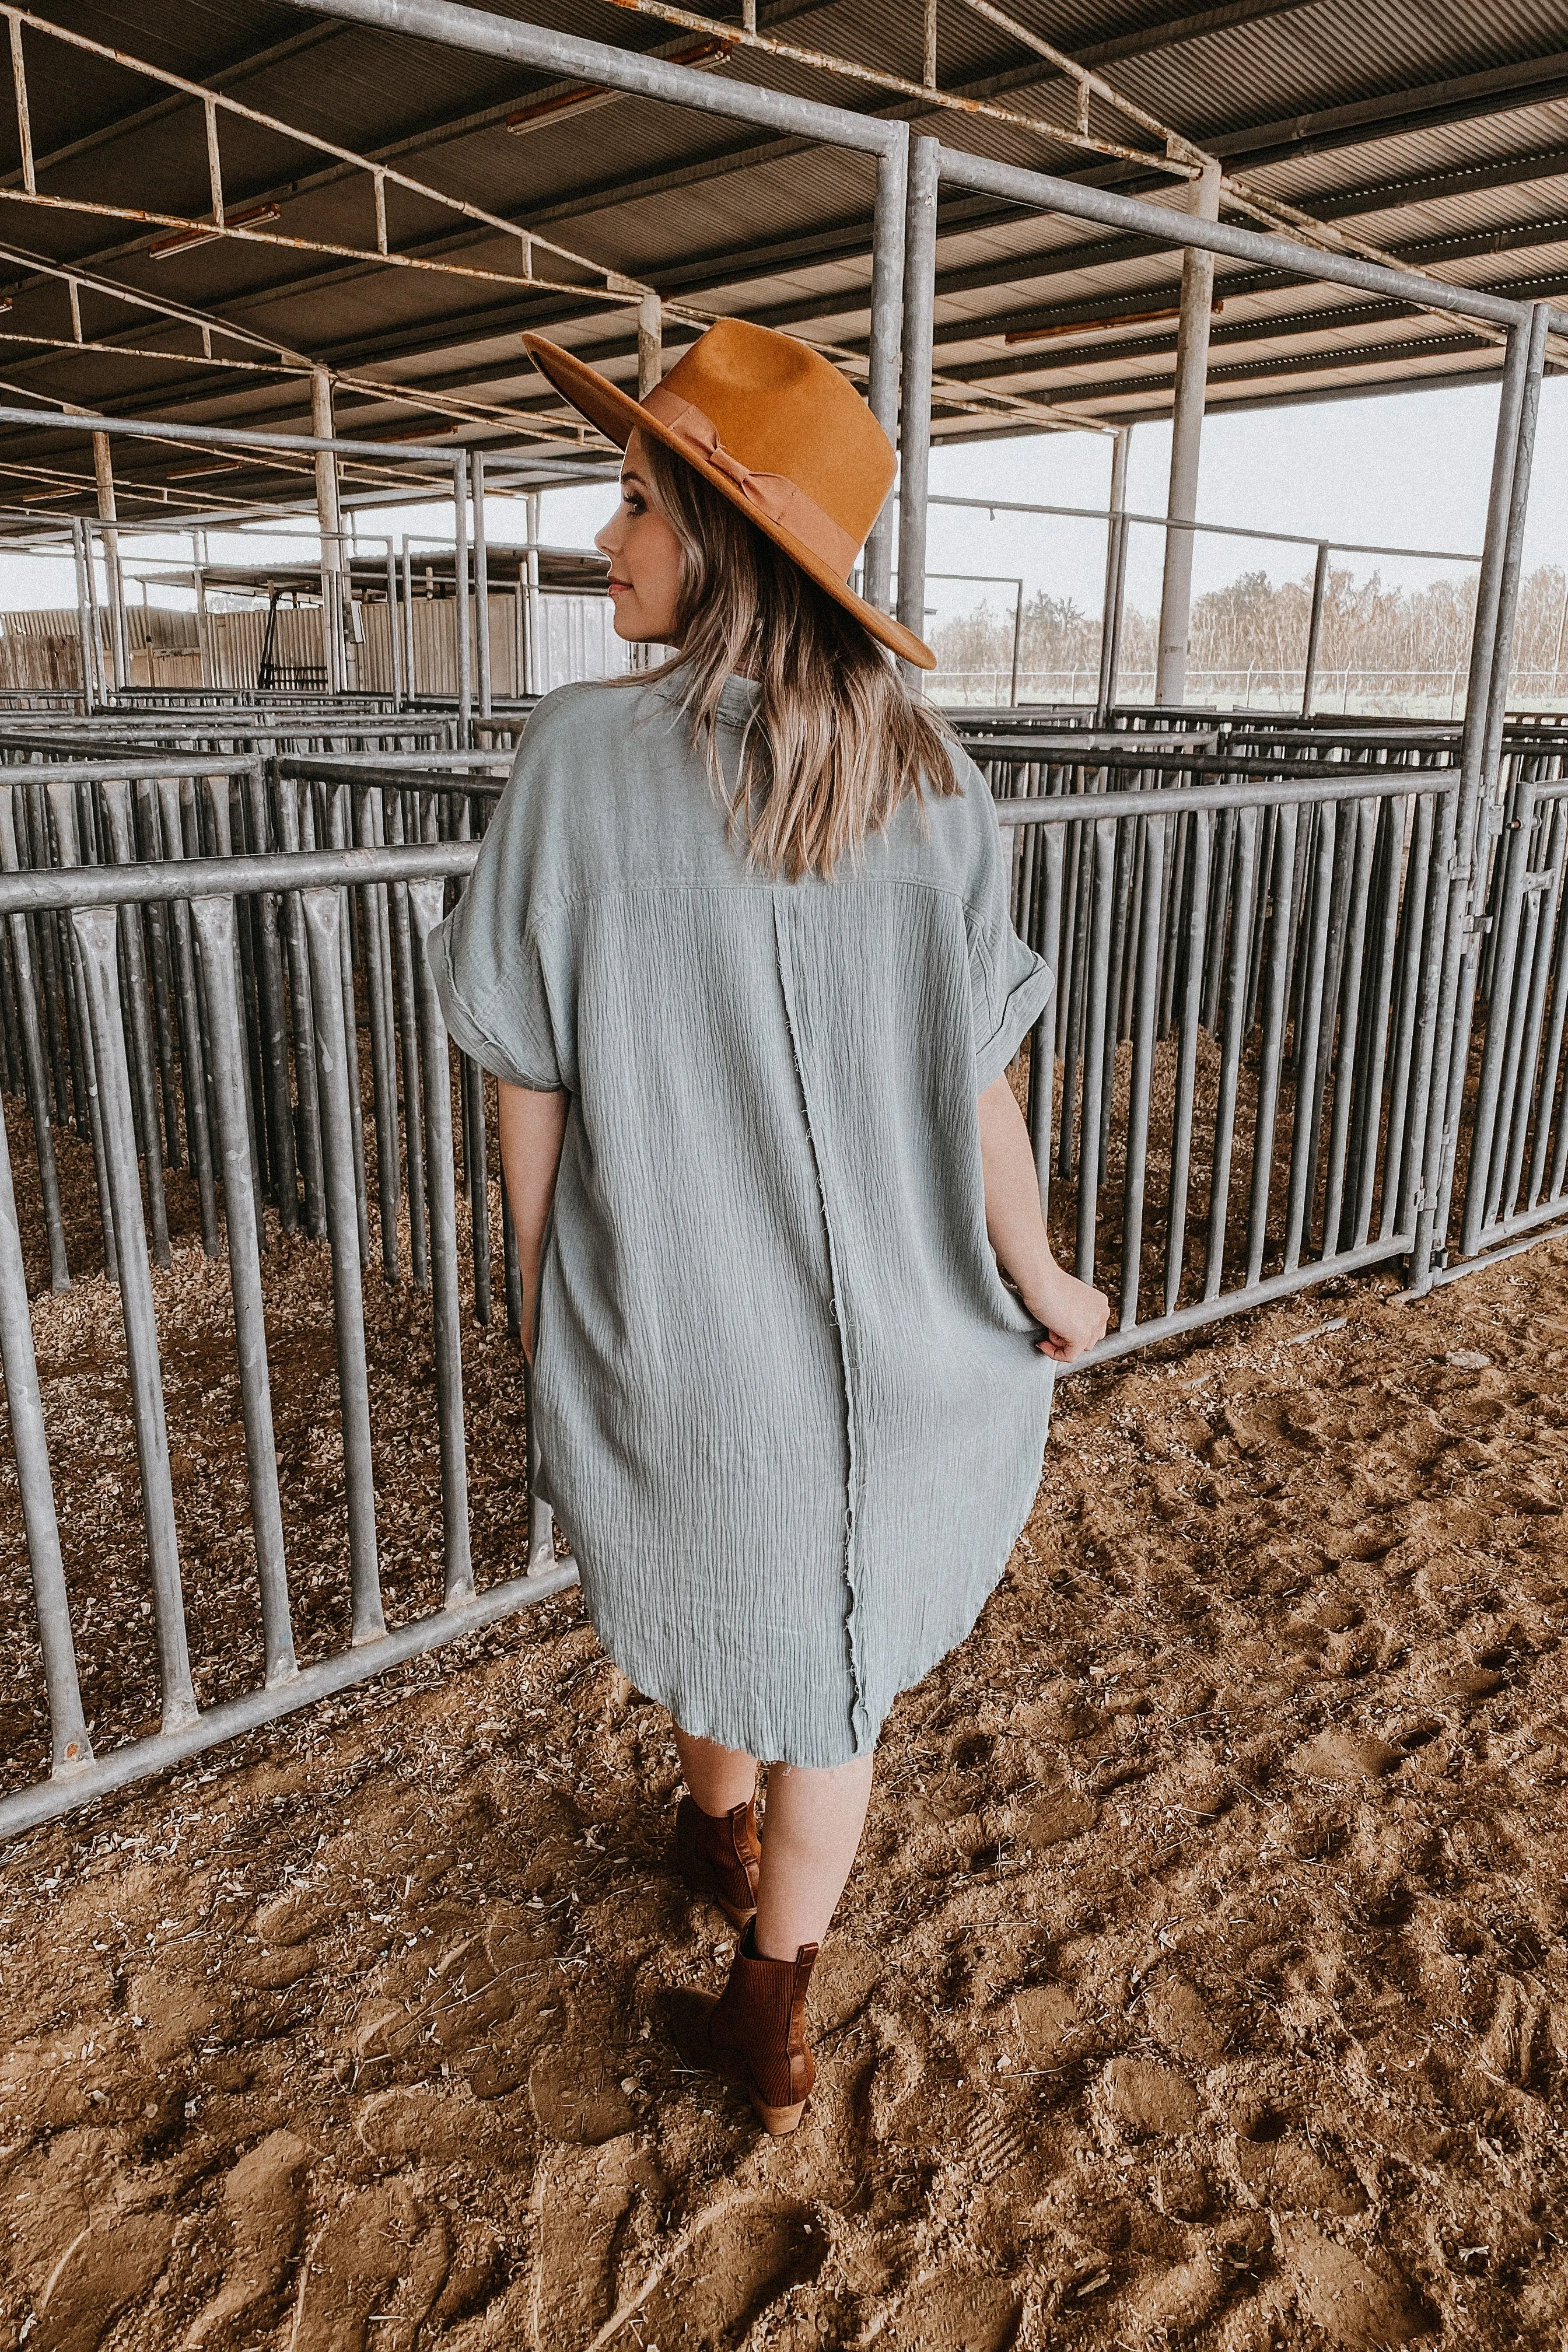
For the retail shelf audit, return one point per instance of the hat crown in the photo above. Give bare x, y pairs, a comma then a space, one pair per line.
781, 408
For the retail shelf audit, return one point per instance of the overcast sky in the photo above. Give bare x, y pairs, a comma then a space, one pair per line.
1407, 469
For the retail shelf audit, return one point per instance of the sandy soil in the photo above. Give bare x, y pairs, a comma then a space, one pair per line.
1202, 1980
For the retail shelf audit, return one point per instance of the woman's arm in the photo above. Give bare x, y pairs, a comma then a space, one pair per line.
532, 1127
1074, 1315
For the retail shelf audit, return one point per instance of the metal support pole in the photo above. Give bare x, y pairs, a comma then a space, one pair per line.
650, 343
460, 583
481, 577
83, 621
1186, 438
1315, 629
1115, 577
1441, 1054
914, 405
1018, 648
330, 521
887, 311
393, 627
410, 681
534, 667
103, 472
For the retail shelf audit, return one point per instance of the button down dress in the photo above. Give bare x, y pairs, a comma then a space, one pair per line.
789, 1416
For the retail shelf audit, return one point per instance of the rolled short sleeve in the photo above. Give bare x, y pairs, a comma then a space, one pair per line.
502, 961
1009, 984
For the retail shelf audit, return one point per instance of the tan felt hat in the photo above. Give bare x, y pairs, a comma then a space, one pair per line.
776, 428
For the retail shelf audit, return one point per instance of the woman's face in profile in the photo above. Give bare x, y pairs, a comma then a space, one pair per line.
644, 558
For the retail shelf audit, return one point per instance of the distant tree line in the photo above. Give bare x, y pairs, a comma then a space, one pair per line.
1258, 627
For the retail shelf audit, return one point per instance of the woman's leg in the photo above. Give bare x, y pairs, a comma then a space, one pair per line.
810, 1838
720, 1779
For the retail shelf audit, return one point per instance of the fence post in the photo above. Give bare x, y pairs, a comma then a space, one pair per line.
887, 310
914, 405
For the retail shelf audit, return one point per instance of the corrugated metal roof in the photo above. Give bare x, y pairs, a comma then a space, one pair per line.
1436, 132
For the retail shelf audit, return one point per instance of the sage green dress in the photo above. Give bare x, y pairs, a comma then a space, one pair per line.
790, 1418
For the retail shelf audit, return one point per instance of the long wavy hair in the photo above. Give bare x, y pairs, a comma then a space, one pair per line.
838, 741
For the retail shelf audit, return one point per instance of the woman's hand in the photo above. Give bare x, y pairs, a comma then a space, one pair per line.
1075, 1315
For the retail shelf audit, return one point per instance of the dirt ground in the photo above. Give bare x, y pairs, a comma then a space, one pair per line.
1202, 1980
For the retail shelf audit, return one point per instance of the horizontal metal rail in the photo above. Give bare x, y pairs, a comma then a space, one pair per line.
1043, 192
81, 1784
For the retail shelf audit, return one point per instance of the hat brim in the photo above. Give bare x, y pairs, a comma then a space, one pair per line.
617, 416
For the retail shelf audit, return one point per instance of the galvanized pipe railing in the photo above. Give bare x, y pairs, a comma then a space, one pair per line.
93, 902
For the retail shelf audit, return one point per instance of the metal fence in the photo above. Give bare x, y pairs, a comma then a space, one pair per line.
212, 1015
215, 963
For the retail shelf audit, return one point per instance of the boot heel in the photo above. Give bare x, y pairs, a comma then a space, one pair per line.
777, 2120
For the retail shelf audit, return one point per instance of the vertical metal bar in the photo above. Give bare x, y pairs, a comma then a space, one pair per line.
1018, 648
1231, 1041
117, 807
481, 578
1096, 1025
1402, 1169
1115, 558
1349, 993
70, 1747
1043, 1044
1385, 920
1144, 1020
33, 1057
383, 1084
63, 808
410, 681
393, 630
339, 833
1276, 992
103, 478
914, 408
213, 923
1315, 629
1186, 435
96, 931
323, 931
275, 1020
1443, 1036
307, 1077
1194, 930
425, 910
409, 1041
1547, 1089
83, 625
887, 307
460, 608
1313, 1014
192, 1059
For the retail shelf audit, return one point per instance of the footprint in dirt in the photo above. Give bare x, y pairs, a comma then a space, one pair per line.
265, 2210
114, 2263
729, 2269
586, 2200
379, 2253
973, 2313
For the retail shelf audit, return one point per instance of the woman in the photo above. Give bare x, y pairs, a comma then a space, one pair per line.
737, 949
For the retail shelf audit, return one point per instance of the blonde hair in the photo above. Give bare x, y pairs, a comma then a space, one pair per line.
838, 741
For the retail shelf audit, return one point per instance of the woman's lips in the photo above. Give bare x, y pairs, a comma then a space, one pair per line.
617, 587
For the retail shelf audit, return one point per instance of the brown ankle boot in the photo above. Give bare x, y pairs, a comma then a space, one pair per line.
753, 2032
718, 1856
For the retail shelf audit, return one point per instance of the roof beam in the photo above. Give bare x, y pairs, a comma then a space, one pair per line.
1531, 81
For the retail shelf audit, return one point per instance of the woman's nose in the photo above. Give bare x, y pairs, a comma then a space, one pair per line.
604, 540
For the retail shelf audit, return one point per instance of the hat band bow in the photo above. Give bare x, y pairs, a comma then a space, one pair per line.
783, 502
